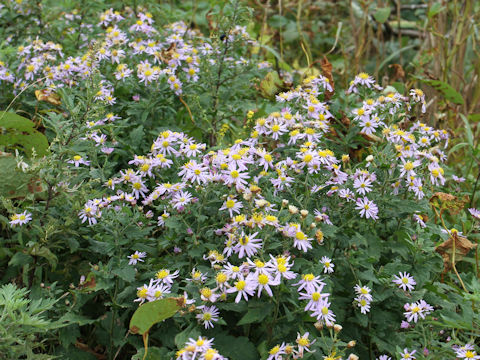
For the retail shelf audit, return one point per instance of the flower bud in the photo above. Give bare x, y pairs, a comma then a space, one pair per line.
304, 213
284, 202
351, 344
352, 357
345, 158
313, 226
319, 236
318, 325
337, 328
292, 209
369, 158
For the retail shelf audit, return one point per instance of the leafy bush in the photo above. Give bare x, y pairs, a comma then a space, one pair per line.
320, 225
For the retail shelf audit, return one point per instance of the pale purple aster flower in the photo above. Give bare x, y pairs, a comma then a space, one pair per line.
405, 281
136, 257
367, 208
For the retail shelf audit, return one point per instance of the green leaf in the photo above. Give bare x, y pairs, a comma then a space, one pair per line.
474, 117
382, 14
436, 8
154, 353
190, 332
15, 183
256, 313
447, 91
17, 132
153, 312
126, 273
235, 348
468, 130
44, 252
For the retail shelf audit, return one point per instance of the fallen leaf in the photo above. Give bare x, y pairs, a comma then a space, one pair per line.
48, 95
398, 72
327, 72
462, 247
452, 203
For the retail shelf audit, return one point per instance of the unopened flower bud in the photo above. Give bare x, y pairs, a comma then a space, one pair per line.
292, 209
313, 226
337, 328
318, 325
330, 326
352, 357
345, 158
369, 158
351, 344
284, 202
304, 213
319, 236
261, 203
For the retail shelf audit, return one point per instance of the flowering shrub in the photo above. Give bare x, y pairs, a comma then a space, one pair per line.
322, 231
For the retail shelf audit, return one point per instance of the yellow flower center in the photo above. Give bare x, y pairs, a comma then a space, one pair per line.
240, 285
263, 279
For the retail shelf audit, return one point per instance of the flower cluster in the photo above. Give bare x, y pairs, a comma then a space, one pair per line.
199, 349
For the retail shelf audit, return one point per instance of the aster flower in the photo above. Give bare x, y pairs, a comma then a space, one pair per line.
277, 352
135, 257
197, 276
416, 310
363, 292
247, 245
405, 281
304, 343
301, 241
232, 205
208, 315
475, 213
77, 160
367, 208
323, 312
310, 283
164, 276
243, 288
408, 355
20, 219
327, 264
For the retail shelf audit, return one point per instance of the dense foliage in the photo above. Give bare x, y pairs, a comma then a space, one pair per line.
174, 189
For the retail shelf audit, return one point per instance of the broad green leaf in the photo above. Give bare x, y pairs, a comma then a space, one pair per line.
44, 252
447, 91
126, 273
235, 348
17, 132
153, 312
256, 313
16, 184
154, 353
382, 14
474, 117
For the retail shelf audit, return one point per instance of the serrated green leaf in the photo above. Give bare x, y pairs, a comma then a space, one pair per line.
447, 91
126, 273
